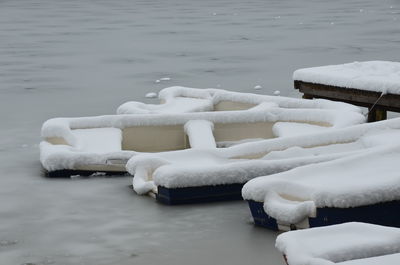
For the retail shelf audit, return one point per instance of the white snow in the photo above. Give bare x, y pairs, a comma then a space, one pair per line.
379, 76
350, 243
257, 87
151, 95
200, 133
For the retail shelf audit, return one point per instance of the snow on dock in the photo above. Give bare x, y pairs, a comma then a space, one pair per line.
372, 84
377, 76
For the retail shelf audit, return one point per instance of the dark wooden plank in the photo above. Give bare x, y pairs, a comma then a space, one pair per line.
363, 98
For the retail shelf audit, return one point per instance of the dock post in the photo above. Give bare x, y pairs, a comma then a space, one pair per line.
307, 96
376, 114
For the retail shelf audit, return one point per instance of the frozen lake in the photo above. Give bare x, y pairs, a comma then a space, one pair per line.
78, 58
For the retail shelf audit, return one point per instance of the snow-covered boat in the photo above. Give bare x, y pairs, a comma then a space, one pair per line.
345, 244
361, 187
197, 175
104, 143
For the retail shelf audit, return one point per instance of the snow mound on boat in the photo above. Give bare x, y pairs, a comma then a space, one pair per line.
350, 243
367, 178
392, 259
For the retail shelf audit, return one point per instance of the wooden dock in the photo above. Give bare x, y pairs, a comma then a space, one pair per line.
377, 104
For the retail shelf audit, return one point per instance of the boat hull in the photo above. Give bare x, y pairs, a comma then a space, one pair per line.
201, 194
386, 213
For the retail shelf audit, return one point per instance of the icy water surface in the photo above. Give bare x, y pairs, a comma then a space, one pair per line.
77, 58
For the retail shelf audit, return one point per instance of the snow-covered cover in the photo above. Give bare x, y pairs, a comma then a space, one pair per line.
179, 99
245, 161
85, 136
346, 244
369, 177
379, 76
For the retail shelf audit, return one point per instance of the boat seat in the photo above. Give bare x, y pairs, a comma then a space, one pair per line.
284, 129
200, 133
98, 140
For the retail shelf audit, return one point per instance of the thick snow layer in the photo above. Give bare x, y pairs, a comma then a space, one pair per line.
186, 92
200, 134
57, 157
362, 179
350, 243
143, 166
227, 165
174, 105
179, 99
211, 169
379, 76
92, 147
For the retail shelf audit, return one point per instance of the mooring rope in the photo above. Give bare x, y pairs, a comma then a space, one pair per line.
373, 105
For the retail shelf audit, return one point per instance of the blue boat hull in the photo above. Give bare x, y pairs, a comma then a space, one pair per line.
199, 194
386, 213
67, 173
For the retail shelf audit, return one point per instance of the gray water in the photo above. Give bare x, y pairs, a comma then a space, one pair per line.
78, 58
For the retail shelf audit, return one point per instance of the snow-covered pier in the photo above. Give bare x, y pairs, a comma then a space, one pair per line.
372, 84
